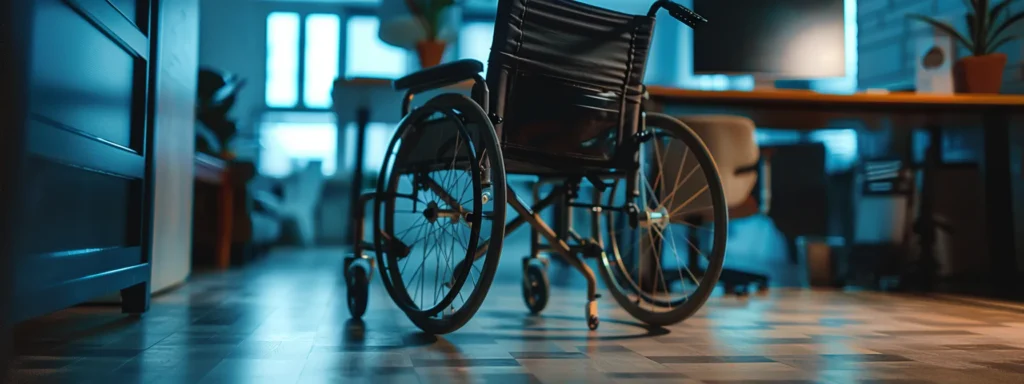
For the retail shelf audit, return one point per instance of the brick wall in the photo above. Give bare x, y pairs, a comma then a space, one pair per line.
887, 40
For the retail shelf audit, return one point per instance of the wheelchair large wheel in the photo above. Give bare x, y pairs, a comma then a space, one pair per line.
653, 266
440, 216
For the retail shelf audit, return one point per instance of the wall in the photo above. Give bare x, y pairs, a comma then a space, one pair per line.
887, 40
234, 40
174, 141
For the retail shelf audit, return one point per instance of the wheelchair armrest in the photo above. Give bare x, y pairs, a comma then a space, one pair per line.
440, 76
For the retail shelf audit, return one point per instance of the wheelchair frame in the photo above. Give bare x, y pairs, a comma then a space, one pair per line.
564, 241
573, 255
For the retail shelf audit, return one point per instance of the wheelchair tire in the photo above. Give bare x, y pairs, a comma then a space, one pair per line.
536, 287
358, 290
635, 297
416, 150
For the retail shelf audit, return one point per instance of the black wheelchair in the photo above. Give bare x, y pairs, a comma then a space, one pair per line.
563, 100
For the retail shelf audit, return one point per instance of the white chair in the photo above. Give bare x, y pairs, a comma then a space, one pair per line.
300, 197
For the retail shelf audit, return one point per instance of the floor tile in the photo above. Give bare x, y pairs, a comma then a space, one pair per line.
284, 320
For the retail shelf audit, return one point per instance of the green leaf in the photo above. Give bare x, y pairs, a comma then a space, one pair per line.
1007, 24
996, 13
972, 29
944, 27
983, 24
999, 8
995, 46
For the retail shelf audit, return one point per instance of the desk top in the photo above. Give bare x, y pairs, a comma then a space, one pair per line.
803, 98
896, 99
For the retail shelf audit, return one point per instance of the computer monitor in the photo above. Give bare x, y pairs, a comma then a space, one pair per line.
771, 39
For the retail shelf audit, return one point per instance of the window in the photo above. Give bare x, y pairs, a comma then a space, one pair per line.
309, 74
323, 40
288, 147
282, 60
367, 56
475, 41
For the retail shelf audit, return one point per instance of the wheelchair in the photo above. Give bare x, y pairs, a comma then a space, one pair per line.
562, 101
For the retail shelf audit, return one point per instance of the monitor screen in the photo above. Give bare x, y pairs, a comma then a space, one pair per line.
786, 39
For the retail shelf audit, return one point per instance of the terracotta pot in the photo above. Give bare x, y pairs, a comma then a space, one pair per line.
430, 52
979, 74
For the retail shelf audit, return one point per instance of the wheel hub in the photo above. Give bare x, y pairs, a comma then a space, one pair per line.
658, 218
433, 212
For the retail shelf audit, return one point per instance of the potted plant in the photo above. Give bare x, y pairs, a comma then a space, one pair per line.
987, 30
431, 15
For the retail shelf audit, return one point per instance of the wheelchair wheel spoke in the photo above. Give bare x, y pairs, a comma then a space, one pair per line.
648, 269
432, 181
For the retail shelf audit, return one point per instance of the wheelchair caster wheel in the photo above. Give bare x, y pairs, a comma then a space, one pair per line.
536, 287
357, 281
592, 320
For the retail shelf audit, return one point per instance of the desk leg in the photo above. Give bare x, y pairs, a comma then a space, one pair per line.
999, 202
362, 124
926, 267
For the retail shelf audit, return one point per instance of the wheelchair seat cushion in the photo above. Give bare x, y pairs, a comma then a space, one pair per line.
440, 76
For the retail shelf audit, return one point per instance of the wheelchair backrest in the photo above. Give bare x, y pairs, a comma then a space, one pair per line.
567, 73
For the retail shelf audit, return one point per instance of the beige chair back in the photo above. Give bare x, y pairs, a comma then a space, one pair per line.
732, 144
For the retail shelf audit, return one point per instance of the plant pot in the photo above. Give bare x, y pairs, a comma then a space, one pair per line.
979, 74
430, 52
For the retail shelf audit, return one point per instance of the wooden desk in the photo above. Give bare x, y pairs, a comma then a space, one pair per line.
216, 171
809, 110
795, 109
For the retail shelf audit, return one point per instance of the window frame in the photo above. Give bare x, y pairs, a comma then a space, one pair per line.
344, 13
301, 62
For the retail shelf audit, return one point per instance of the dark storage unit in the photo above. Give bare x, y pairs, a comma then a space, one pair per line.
85, 183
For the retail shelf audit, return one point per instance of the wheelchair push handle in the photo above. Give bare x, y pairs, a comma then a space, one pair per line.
681, 13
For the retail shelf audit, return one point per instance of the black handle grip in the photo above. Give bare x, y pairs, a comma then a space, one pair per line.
683, 14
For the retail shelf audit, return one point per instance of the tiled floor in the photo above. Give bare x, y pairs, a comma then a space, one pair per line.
285, 321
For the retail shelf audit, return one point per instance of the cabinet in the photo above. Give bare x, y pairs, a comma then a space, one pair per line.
85, 223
